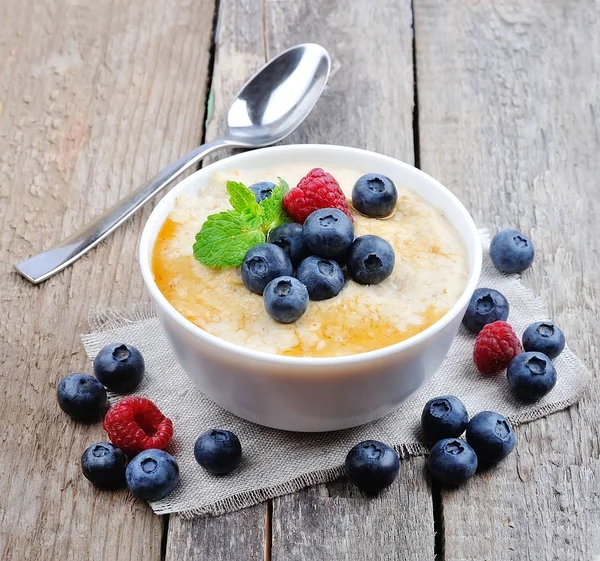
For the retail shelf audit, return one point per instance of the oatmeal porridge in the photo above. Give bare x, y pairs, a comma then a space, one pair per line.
429, 275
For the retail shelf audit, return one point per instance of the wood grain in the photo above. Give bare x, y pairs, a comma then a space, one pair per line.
337, 521
95, 97
368, 102
240, 535
509, 119
239, 53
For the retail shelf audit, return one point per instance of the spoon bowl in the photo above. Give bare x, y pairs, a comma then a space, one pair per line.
274, 101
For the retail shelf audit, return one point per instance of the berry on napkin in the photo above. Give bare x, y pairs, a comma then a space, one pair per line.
496, 345
135, 424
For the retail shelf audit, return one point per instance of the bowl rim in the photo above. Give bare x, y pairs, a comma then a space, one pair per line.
152, 227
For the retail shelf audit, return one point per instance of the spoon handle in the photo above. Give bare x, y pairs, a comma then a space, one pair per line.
42, 266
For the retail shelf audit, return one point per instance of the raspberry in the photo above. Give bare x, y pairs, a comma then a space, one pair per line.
496, 345
317, 189
135, 424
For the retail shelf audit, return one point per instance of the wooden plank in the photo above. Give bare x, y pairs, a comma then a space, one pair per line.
509, 119
369, 100
239, 53
95, 97
240, 535
368, 104
337, 521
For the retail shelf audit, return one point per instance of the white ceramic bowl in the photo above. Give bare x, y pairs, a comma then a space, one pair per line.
304, 393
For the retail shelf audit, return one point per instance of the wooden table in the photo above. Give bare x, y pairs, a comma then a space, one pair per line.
498, 99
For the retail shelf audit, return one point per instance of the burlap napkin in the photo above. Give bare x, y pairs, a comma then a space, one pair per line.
277, 462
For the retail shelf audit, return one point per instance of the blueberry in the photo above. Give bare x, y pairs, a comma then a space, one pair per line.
374, 195
286, 299
82, 397
288, 236
486, 306
152, 474
444, 417
372, 465
511, 251
262, 190
328, 232
370, 259
262, 264
491, 436
322, 277
119, 368
104, 465
218, 451
531, 375
452, 462
544, 337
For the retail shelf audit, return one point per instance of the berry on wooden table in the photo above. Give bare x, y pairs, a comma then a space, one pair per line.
152, 475
443, 417
491, 436
486, 306
218, 451
262, 264
372, 465
452, 462
531, 375
511, 251
496, 345
544, 337
136, 424
104, 465
119, 367
374, 195
82, 397
317, 189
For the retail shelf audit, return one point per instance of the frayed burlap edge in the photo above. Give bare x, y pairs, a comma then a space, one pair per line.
251, 498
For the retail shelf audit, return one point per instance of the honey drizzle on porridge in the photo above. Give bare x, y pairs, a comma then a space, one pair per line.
429, 275
372, 335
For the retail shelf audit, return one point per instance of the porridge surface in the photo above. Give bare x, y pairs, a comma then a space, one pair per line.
429, 276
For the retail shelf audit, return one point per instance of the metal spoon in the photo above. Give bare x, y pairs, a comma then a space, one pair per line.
266, 110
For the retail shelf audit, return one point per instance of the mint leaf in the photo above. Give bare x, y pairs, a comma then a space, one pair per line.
251, 220
284, 185
225, 238
241, 198
274, 214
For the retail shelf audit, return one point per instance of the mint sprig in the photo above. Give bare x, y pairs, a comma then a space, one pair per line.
225, 237
274, 214
241, 198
